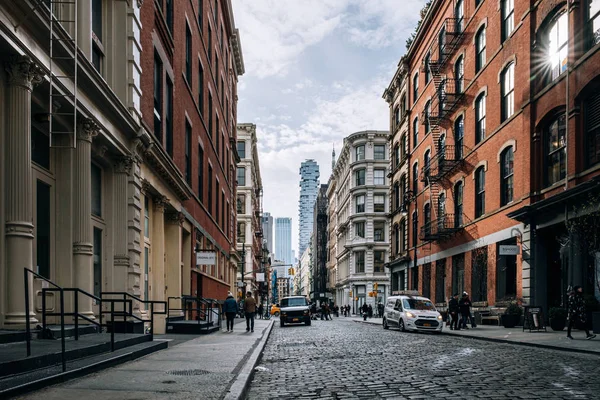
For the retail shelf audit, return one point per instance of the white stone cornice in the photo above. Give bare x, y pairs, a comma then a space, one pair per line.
22, 71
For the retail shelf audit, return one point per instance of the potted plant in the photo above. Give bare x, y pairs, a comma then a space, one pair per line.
511, 315
558, 318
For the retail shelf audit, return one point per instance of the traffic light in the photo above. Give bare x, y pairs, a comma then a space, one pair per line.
291, 271
375, 285
350, 294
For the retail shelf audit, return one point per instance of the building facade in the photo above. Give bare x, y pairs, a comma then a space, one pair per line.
192, 57
309, 187
303, 275
397, 97
267, 227
283, 240
359, 200
249, 209
319, 248
502, 145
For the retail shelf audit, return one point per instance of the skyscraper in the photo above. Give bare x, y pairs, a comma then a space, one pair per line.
283, 240
267, 226
309, 186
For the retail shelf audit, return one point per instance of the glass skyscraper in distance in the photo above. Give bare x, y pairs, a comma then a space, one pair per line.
309, 187
283, 240
267, 226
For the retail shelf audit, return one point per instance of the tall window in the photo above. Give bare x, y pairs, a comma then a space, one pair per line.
556, 150
241, 148
479, 192
403, 147
396, 195
506, 183
188, 55
459, 14
241, 232
378, 261
359, 259
210, 188
508, 18
426, 63
415, 87
359, 229
458, 204
427, 165
415, 229
415, 132
415, 178
241, 176
379, 231
379, 203
441, 207
396, 117
188, 152
217, 201
210, 115
427, 218
480, 45
379, 176
594, 22
426, 117
97, 260
200, 13
146, 216
508, 91
241, 204
360, 177
200, 173
96, 183
459, 135
442, 41
43, 228
402, 230
97, 28
592, 129
558, 45
480, 118
396, 156
360, 203
360, 152
158, 96
169, 117
379, 152
459, 74
209, 48
396, 249
200, 87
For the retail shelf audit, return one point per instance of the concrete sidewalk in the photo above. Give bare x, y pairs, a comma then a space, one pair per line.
549, 339
215, 366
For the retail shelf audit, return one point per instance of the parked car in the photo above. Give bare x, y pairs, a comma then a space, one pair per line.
412, 313
294, 309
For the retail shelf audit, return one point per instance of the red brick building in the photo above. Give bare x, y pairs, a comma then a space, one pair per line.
489, 149
191, 61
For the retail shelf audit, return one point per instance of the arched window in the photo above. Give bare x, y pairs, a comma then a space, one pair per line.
459, 74
426, 119
426, 166
459, 14
479, 192
506, 178
480, 45
427, 218
480, 118
426, 63
442, 41
459, 135
555, 144
402, 190
403, 148
507, 8
396, 117
594, 23
507, 82
415, 87
415, 178
415, 132
558, 45
396, 195
396, 239
402, 230
458, 204
396, 156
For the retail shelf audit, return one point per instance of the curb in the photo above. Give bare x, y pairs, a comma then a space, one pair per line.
238, 388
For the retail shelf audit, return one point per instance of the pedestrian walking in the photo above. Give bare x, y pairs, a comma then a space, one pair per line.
453, 310
380, 309
464, 306
370, 311
250, 310
230, 308
577, 314
261, 311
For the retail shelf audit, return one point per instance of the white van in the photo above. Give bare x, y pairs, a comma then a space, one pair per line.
412, 313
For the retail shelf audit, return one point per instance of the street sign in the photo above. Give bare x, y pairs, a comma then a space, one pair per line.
206, 258
509, 250
240, 284
260, 277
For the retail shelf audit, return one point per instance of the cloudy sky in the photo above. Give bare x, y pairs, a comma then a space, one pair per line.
315, 73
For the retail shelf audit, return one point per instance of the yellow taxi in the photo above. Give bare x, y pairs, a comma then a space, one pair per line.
275, 310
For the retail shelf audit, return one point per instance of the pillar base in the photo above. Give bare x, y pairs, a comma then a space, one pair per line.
17, 320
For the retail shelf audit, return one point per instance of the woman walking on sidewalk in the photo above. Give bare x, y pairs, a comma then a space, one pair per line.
230, 308
577, 313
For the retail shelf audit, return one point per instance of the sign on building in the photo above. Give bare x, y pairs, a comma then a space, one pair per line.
260, 277
509, 250
206, 258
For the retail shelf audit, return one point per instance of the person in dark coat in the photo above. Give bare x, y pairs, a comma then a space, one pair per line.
370, 310
453, 310
230, 308
365, 308
380, 309
261, 310
464, 306
577, 314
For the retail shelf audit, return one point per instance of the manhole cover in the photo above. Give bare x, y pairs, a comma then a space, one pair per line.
188, 372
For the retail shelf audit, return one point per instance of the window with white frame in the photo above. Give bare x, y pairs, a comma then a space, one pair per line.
359, 229
379, 202
558, 45
508, 18
379, 176
508, 92
360, 203
379, 152
359, 262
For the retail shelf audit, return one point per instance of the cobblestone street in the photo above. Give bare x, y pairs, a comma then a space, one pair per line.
342, 359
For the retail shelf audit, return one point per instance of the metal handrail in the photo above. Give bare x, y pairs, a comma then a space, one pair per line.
206, 312
130, 313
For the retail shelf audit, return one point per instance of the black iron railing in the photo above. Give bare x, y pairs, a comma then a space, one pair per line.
127, 300
449, 95
194, 309
442, 227
446, 42
447, 160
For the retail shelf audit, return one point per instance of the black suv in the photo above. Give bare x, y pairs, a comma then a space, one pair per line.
294, 309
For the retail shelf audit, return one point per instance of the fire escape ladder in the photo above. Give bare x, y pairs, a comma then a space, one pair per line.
63, 73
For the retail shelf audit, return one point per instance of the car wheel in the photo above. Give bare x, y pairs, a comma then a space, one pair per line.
401, 325
276, 313
385, 324
307, 323
281, 323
